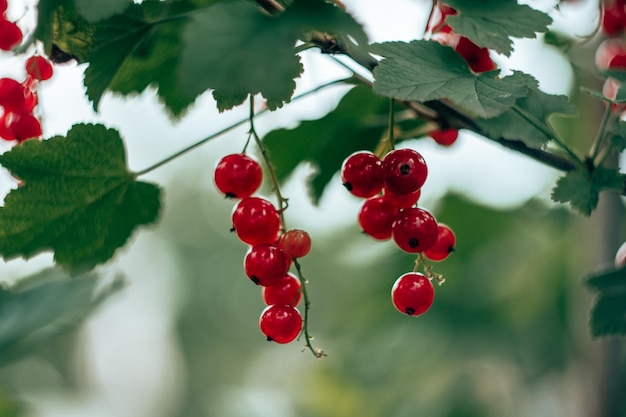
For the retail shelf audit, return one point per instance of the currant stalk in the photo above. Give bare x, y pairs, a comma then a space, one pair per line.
283, 203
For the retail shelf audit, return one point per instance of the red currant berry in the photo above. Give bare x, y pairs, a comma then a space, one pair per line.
414, 230
360, 174
39, 68
444, 245
266, 265
476, 57
404, 171
12, 95
237, 176
5, 131
10, 34
295, 243
613, 19
445, 137
287, 291
24, 126
255, 221
620, 256
402, 200
280, 323
376, 217
412, 294
3, 7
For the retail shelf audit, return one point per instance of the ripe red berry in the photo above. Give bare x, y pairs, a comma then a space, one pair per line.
256, 221
39, 68
361, 174
444, 245
613, 19
10, 34
24, 126
280, 323
237, 176
412, 294
266, 265
476, 57
287, 291
5, 131
3, 7
295, 243
12, 95
404, 171
414, 230
376, 217
402, 200
445, 137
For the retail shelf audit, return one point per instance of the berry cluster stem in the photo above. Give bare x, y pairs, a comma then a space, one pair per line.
282, 202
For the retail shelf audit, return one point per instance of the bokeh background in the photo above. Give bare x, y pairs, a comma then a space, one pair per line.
506, 336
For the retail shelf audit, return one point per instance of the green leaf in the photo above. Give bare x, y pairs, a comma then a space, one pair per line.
327, 141
237, 51
491, 23
64, 33
538, 105
612, 280
40, 306
582, 189
423, 71
608, 315
78, 198
94, 10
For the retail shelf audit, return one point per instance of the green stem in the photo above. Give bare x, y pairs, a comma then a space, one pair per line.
282, 203
392, 123
228, 129
597, 143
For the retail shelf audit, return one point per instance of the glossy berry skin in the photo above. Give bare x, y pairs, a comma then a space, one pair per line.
445, 137
12, 95
376, 217
10, 34
5, 131
613, 19
361, 174
476, 57
280, 323
24, 126
611, 54
266, 265
256, 221
39, 68
296, 243
444, 245
237, 176
414, 230
404, 171
402, 200
287, 291
412, 294
3, 7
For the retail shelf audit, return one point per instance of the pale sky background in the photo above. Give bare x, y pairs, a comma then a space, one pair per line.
474, 166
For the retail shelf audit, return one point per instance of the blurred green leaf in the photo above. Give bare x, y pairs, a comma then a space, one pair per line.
94, 10
78, 198
613, 280
42, 305
538, 105
423, 71
65, 33
582, 189
492, 23
608, 315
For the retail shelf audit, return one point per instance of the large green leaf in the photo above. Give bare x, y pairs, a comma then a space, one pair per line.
491, 23
94, 10
42, 305
77, 199
514, 124
357, 123
423, 71
236, 50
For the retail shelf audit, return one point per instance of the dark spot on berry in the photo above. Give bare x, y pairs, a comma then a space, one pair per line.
232, 229
269, 339
348, 186
254, 279
409, 311
451, 249
230, 195
414, 242
405, 169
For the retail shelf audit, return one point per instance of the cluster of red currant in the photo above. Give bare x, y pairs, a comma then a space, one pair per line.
272, 250
611, 53
18, 100
392, 187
